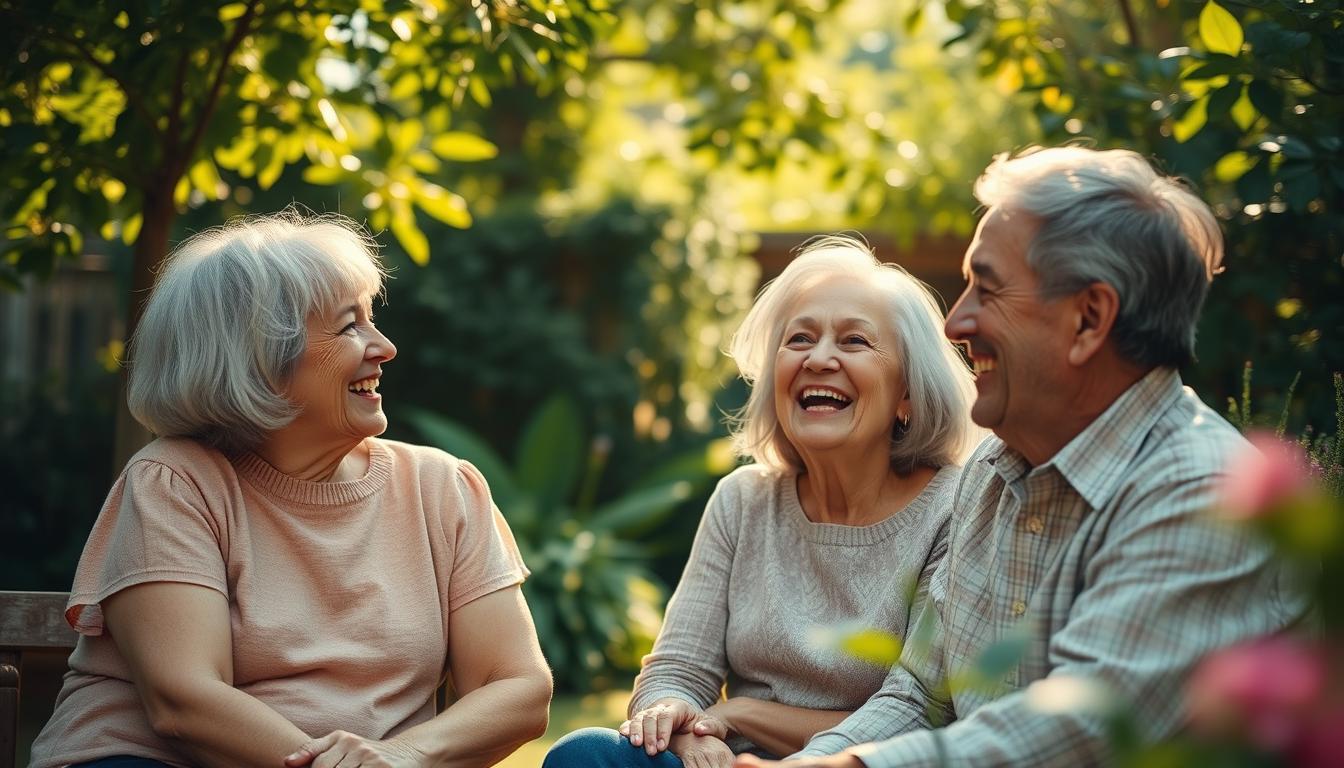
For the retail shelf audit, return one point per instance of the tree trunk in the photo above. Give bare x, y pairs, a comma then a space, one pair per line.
158, 213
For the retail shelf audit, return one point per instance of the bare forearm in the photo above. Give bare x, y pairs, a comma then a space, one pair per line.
485, 725
218, 725
778, 728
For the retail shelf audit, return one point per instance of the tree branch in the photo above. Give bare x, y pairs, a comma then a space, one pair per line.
212, 98
1130, 26
174, 132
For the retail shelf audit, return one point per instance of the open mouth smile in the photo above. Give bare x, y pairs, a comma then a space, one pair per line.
983, 365
366, 388
823, 400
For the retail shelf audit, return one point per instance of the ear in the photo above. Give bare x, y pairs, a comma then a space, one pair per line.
1095, 310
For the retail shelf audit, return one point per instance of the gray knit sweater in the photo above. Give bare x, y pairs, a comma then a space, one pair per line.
767, 593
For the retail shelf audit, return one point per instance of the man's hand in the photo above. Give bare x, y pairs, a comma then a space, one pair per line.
700, 751
830, 761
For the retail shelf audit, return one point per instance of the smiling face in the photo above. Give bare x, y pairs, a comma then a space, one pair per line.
1018, 341
838, 382
335, 382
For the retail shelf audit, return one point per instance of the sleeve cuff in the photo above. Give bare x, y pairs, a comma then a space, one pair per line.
917, 749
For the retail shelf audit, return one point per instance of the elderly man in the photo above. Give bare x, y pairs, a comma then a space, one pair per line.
1081, 545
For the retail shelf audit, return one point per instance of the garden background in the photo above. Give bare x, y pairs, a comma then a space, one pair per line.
580, 199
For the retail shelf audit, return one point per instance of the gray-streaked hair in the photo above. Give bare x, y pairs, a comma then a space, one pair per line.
1107, 216
938, 380
227, 322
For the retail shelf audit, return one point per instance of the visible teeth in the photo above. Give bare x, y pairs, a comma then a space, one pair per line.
819, 392
365, 385
982, 365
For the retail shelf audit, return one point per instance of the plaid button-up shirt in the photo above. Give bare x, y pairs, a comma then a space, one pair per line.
1102, 564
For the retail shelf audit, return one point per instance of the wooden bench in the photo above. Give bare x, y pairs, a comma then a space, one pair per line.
29, 621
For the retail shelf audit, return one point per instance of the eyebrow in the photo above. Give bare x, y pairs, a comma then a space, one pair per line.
859, 321
983, 271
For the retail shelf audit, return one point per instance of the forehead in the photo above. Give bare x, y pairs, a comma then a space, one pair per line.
999, 250
840, 299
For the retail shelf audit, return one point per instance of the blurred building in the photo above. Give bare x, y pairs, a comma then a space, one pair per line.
55, 331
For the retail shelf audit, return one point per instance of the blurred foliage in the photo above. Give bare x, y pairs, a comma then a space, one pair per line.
1247, 100
598, 304
114, 118
795, 114
596, 604
55, 439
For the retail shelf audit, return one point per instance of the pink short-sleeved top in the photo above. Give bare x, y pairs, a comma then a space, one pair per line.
339, 593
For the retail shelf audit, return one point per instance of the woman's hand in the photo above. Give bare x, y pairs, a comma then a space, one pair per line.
652, 728
717, 721
351, 751
701, 751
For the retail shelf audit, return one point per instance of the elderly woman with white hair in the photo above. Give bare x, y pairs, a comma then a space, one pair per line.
856, 421
269, 583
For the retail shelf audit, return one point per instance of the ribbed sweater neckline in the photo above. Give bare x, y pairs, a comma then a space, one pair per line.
857, 535
273, 482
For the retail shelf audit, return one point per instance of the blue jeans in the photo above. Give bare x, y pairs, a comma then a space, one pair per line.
603, 748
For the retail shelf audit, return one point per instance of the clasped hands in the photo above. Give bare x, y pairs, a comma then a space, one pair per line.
694, 736
347, 750
698, 737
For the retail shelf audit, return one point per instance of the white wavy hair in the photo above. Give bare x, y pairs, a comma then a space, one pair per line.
939, 383
227, 322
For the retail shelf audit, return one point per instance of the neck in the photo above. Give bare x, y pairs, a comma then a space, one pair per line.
303, 458
856, 492
1096, 389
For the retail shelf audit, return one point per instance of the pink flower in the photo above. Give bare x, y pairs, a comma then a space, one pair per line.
1265, 691
1322, 745
1270, 472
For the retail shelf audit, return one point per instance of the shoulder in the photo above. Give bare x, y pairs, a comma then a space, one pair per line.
750, 482
426, 462
1189, 443
182, 459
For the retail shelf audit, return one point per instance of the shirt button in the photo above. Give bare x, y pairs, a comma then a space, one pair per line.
1035, 524
1019, 607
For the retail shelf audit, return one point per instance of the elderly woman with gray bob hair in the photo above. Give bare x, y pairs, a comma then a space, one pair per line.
856, 422
269, 583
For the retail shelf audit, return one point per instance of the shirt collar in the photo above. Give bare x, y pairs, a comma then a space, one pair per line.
1097, 459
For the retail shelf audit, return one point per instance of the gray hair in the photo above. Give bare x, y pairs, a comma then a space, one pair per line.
227, 322
1107, 216
938, 380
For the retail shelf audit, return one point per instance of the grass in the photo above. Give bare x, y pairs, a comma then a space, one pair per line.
569, 712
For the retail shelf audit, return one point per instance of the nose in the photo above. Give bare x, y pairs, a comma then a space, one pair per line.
821, 358
380, 348
960, 323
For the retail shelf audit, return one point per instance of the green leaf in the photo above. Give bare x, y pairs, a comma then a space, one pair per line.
443, 205
696, 466
1192, 122
1220, 30
1233, 166
1244, 113
463, 147
640, 509
324, 174
447, 435
408, 233
1266, 98
873, 646
551, 451
1221, 100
